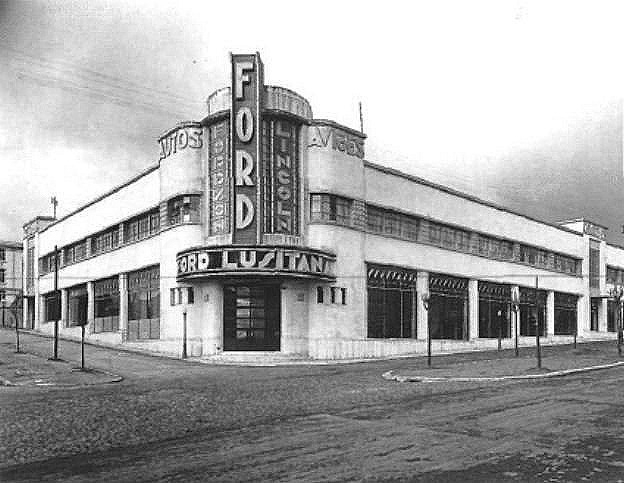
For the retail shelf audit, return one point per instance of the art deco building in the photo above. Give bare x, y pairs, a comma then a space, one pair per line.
276, 237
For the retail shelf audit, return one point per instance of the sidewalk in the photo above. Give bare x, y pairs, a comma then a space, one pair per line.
33, 369
556, 362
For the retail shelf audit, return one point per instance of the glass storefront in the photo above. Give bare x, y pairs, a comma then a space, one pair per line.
594, 314
565, 313
528, 309
77, 301
612, 319
251, 317
106, 305
448, 307
494, 310
144, 304
391, 302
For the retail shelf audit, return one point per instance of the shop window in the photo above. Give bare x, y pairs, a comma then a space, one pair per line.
106, 294
183, 209
77, 304
320, 292
52, 309
529, 310
448, 307
611, 316
144, 304
391, 309
593, 321
565, 314
494, 310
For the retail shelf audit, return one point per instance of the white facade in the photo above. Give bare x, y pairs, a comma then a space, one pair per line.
299, 223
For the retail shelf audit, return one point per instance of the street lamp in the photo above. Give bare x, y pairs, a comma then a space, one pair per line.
617, 293
426, 299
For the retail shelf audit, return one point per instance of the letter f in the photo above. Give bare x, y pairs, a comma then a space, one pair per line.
241, 77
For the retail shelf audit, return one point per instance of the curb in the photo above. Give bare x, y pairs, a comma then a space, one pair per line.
390, 376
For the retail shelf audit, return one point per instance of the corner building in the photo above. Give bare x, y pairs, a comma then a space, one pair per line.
271, 235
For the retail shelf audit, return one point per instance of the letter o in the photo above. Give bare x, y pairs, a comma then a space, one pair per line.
283, 193
244, 124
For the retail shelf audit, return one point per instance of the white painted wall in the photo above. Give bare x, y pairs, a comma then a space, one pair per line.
137, 197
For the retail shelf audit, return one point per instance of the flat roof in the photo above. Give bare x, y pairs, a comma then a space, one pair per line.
446, 189
10, 244
584, 220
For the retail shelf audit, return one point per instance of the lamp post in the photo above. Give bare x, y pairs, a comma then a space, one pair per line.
426, 300
515, 306
617, 293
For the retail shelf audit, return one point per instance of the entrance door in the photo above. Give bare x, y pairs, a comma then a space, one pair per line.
251, 317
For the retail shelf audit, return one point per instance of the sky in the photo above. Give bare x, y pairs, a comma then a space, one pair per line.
517, 102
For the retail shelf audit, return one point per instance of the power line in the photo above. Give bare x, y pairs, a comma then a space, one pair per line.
104, 87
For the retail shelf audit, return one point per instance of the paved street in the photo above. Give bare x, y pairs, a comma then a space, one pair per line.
175, 421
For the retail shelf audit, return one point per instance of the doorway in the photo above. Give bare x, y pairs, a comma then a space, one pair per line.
251, 317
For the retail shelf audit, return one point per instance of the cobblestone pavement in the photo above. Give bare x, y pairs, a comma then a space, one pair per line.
175, 421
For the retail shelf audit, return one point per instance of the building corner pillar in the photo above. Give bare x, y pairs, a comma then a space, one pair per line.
212, 325
91, 307
473, 309
550, 313
583, 311
64, 308
422, 315
123, 306
602, 315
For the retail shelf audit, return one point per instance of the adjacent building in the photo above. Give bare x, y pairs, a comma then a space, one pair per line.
10, 284
265, 231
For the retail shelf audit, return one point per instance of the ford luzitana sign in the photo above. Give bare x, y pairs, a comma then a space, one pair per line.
233, 260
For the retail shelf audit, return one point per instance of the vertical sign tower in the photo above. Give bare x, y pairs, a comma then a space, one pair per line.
245, 129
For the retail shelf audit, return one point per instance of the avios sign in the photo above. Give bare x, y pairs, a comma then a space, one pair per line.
247, 83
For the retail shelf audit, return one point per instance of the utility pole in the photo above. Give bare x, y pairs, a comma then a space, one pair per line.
361, 119
57, 306
54, 202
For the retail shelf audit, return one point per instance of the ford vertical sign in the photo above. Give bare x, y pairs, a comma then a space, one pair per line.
247, 84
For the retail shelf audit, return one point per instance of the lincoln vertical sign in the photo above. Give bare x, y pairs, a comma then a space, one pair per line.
247, 84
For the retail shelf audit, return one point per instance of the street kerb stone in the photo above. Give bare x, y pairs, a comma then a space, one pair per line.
391, 376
